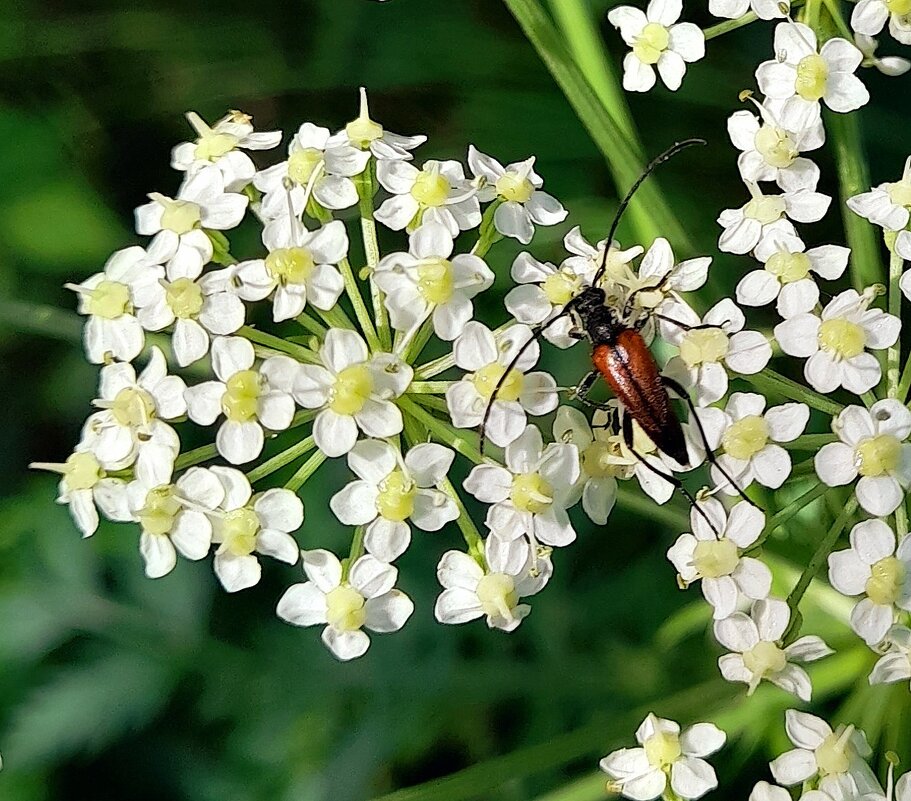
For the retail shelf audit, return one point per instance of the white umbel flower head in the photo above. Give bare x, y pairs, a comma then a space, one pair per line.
895, 664
837, 342
523, 205
873, 446
487, 357
657, 41
665, 755
352, 391
513, 571
869, 17
586, 260
875, 568
363, 599
734, 9
365, 134
250, 399
391, 490
717, 558
755, 641
887, 205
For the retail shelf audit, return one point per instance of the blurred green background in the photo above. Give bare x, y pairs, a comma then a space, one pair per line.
116, 687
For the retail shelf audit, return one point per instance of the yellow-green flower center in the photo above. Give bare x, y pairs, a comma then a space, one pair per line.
516, 188
241, 399
497, 594
290, 265
184, 297
396, 499
651, 43
599, 460
901, 8
834, 753
746, 437
179, 216
878, 456
353, 386
345, 608
842, 338
662, 749
703, 346
302, 163
900, 192
485, 382
775, 146
765, 659
715, 558
363, 130
788, 267
160, 509
531, 493
765, 208
81, 471
133, 407
561, 287
211, 145
431, 188
886, 581
110, 299
239, 529
812, 74
435, 280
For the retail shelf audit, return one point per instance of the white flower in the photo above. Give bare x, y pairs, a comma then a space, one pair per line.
887, 205
895, 664
823, 752
365, 134
352, 391
586, 260
714, 554
487, 357
704, 352
427, 281
829, 788
312, 157
767, 215
661, 279
665, 753
887, 65
787, 274
250, 399
837, 343
518, 186
869, 17
874, 568
733, 9
438, 192
219, 145
244, 524
392, 490
758, 654
513, 571
799, 72
364, 599
748, 440
299, 269
656, 41
109, 298
531, 494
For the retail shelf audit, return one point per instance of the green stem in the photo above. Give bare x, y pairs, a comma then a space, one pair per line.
306, 470
278, 461
722, 28
488, 234
893, 355
784, 515
366, 188
419, 341
313, 326
838, 19
470, 533
444, 363
767, 380
336, 318
355, 552
809, 442
433, 402
442, 431
429, 387
299, 352
196, 456
905, 384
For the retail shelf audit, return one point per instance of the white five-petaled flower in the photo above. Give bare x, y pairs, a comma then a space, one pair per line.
895, 664
428, 280
312, 159
244, 525
889, 206
713, 553
665, 755
518, 186
875, 568
514, 570
530, 495
657, 41
755, 641
802, 73
709, 344
869, 17
365, 598
391, 490
734, 9
748, 439
829, 788
219, 145
586, 260
352, 391
366, 134
787, 274
109, 299
661, 279
837, 342
487, 357
250, 398
300, 267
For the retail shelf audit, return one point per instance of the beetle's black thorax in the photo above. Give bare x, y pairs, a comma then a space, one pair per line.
598, 321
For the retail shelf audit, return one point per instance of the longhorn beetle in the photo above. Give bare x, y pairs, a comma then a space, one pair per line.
621, 357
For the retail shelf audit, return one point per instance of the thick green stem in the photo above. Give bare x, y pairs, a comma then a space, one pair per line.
768, 380
893, 355
429, 387
488, 235
313, 326
470, 533
442, 431
366, 187
196, 456
273, 342
278, 461
306, 470
809, 442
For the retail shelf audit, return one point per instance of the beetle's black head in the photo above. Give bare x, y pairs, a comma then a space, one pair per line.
597, 320
589, 302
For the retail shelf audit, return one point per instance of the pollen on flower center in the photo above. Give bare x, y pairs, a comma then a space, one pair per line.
345, 609
662, 749
396, 499
651, 43
160, 509
302, 163
561, 287
812, 75
241, 399
516, 188
765, 659
842, 338
746, 437
788, 267
900, 191
430, 188
599, 460
878, 456
81, 471
184, 297
239, 529
179, 216
110, 299
485, 382
352, 389
435, 280
531, 493
775, 146
715, 558
886, 582
133, 407
703, 346
832, 754
290, 265
765, 208
497, 594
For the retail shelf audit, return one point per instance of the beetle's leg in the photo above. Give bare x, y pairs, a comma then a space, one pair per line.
628, 306
687, 326
581, 390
